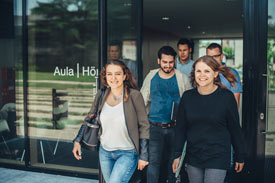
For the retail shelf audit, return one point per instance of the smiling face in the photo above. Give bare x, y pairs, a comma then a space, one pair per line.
166, 63
115, 76
204, 75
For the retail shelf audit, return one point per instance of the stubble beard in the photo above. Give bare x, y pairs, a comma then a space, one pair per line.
167, 72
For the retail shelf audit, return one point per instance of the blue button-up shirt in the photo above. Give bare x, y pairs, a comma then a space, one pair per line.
185, 68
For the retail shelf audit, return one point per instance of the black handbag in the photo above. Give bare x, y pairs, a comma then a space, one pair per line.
90, 137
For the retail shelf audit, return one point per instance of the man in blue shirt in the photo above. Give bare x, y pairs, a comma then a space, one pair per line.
215, 50
162, 88
115, 53
183, 61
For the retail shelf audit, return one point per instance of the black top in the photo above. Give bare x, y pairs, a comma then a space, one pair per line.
210, 124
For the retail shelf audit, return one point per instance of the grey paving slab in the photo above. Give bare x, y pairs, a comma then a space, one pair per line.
19, 176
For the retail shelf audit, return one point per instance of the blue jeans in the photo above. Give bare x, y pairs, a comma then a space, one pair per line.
117, 166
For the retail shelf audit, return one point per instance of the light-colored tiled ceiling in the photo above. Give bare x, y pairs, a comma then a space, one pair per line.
206, 18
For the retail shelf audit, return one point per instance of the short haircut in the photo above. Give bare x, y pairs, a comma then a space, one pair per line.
167, 50
115, 43
213, 46
184, 41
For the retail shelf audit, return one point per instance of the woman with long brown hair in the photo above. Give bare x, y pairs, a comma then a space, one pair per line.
208, 121
124, 130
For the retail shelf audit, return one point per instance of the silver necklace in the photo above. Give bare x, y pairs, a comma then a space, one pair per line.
117, 98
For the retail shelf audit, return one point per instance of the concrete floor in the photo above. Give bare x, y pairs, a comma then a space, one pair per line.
19, 176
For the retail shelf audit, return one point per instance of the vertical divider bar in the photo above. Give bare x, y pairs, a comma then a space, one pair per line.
102, 35
139, 41
102, 50
25, 80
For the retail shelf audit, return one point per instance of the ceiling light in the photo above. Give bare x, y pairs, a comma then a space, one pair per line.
165, 18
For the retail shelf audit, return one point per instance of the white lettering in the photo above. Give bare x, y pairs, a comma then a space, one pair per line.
56, 71
87, 71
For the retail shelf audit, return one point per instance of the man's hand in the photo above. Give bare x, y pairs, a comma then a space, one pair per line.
176, 164
77, 150
142, 164
239, 167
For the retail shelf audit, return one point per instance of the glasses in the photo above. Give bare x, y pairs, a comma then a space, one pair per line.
216, 56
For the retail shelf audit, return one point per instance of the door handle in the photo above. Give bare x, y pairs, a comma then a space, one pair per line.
261, 116
263, 132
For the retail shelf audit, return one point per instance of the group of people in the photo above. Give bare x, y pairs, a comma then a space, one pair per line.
137, 127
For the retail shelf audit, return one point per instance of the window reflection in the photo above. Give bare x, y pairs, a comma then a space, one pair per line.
11, 90
122, 32
63, 74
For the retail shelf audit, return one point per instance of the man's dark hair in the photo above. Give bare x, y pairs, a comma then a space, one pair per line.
213, 46
115, 43
184, 41
167, 50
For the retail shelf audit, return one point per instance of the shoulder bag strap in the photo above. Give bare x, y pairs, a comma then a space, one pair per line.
102, 92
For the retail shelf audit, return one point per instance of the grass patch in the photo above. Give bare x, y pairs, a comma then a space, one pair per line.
36, 125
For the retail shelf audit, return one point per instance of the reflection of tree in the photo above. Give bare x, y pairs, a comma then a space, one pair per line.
271, 53
65, 32
271, 62
228, 52
271, 26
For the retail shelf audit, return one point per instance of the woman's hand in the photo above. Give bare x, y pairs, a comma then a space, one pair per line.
176, 164
77, 150
142, 164
239, 167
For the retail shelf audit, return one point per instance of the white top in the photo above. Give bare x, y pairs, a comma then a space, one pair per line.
114, 131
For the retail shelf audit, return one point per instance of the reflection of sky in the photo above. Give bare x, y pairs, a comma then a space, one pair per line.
34, 3
30, 4
17, 7
271, 12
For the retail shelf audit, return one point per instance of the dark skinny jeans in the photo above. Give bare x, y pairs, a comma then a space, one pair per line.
160, 138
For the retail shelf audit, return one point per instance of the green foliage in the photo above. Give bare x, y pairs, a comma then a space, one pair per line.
270, 61
228, 52
65, 32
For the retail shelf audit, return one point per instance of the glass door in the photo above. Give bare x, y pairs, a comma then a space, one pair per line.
270, 123
123, 32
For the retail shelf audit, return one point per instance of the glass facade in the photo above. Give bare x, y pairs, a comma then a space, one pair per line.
62, 76
11, 87
62, 79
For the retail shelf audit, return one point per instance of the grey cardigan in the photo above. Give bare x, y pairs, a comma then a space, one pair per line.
136, 120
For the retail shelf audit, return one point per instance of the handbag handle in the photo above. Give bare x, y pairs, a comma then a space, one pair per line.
102, 90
